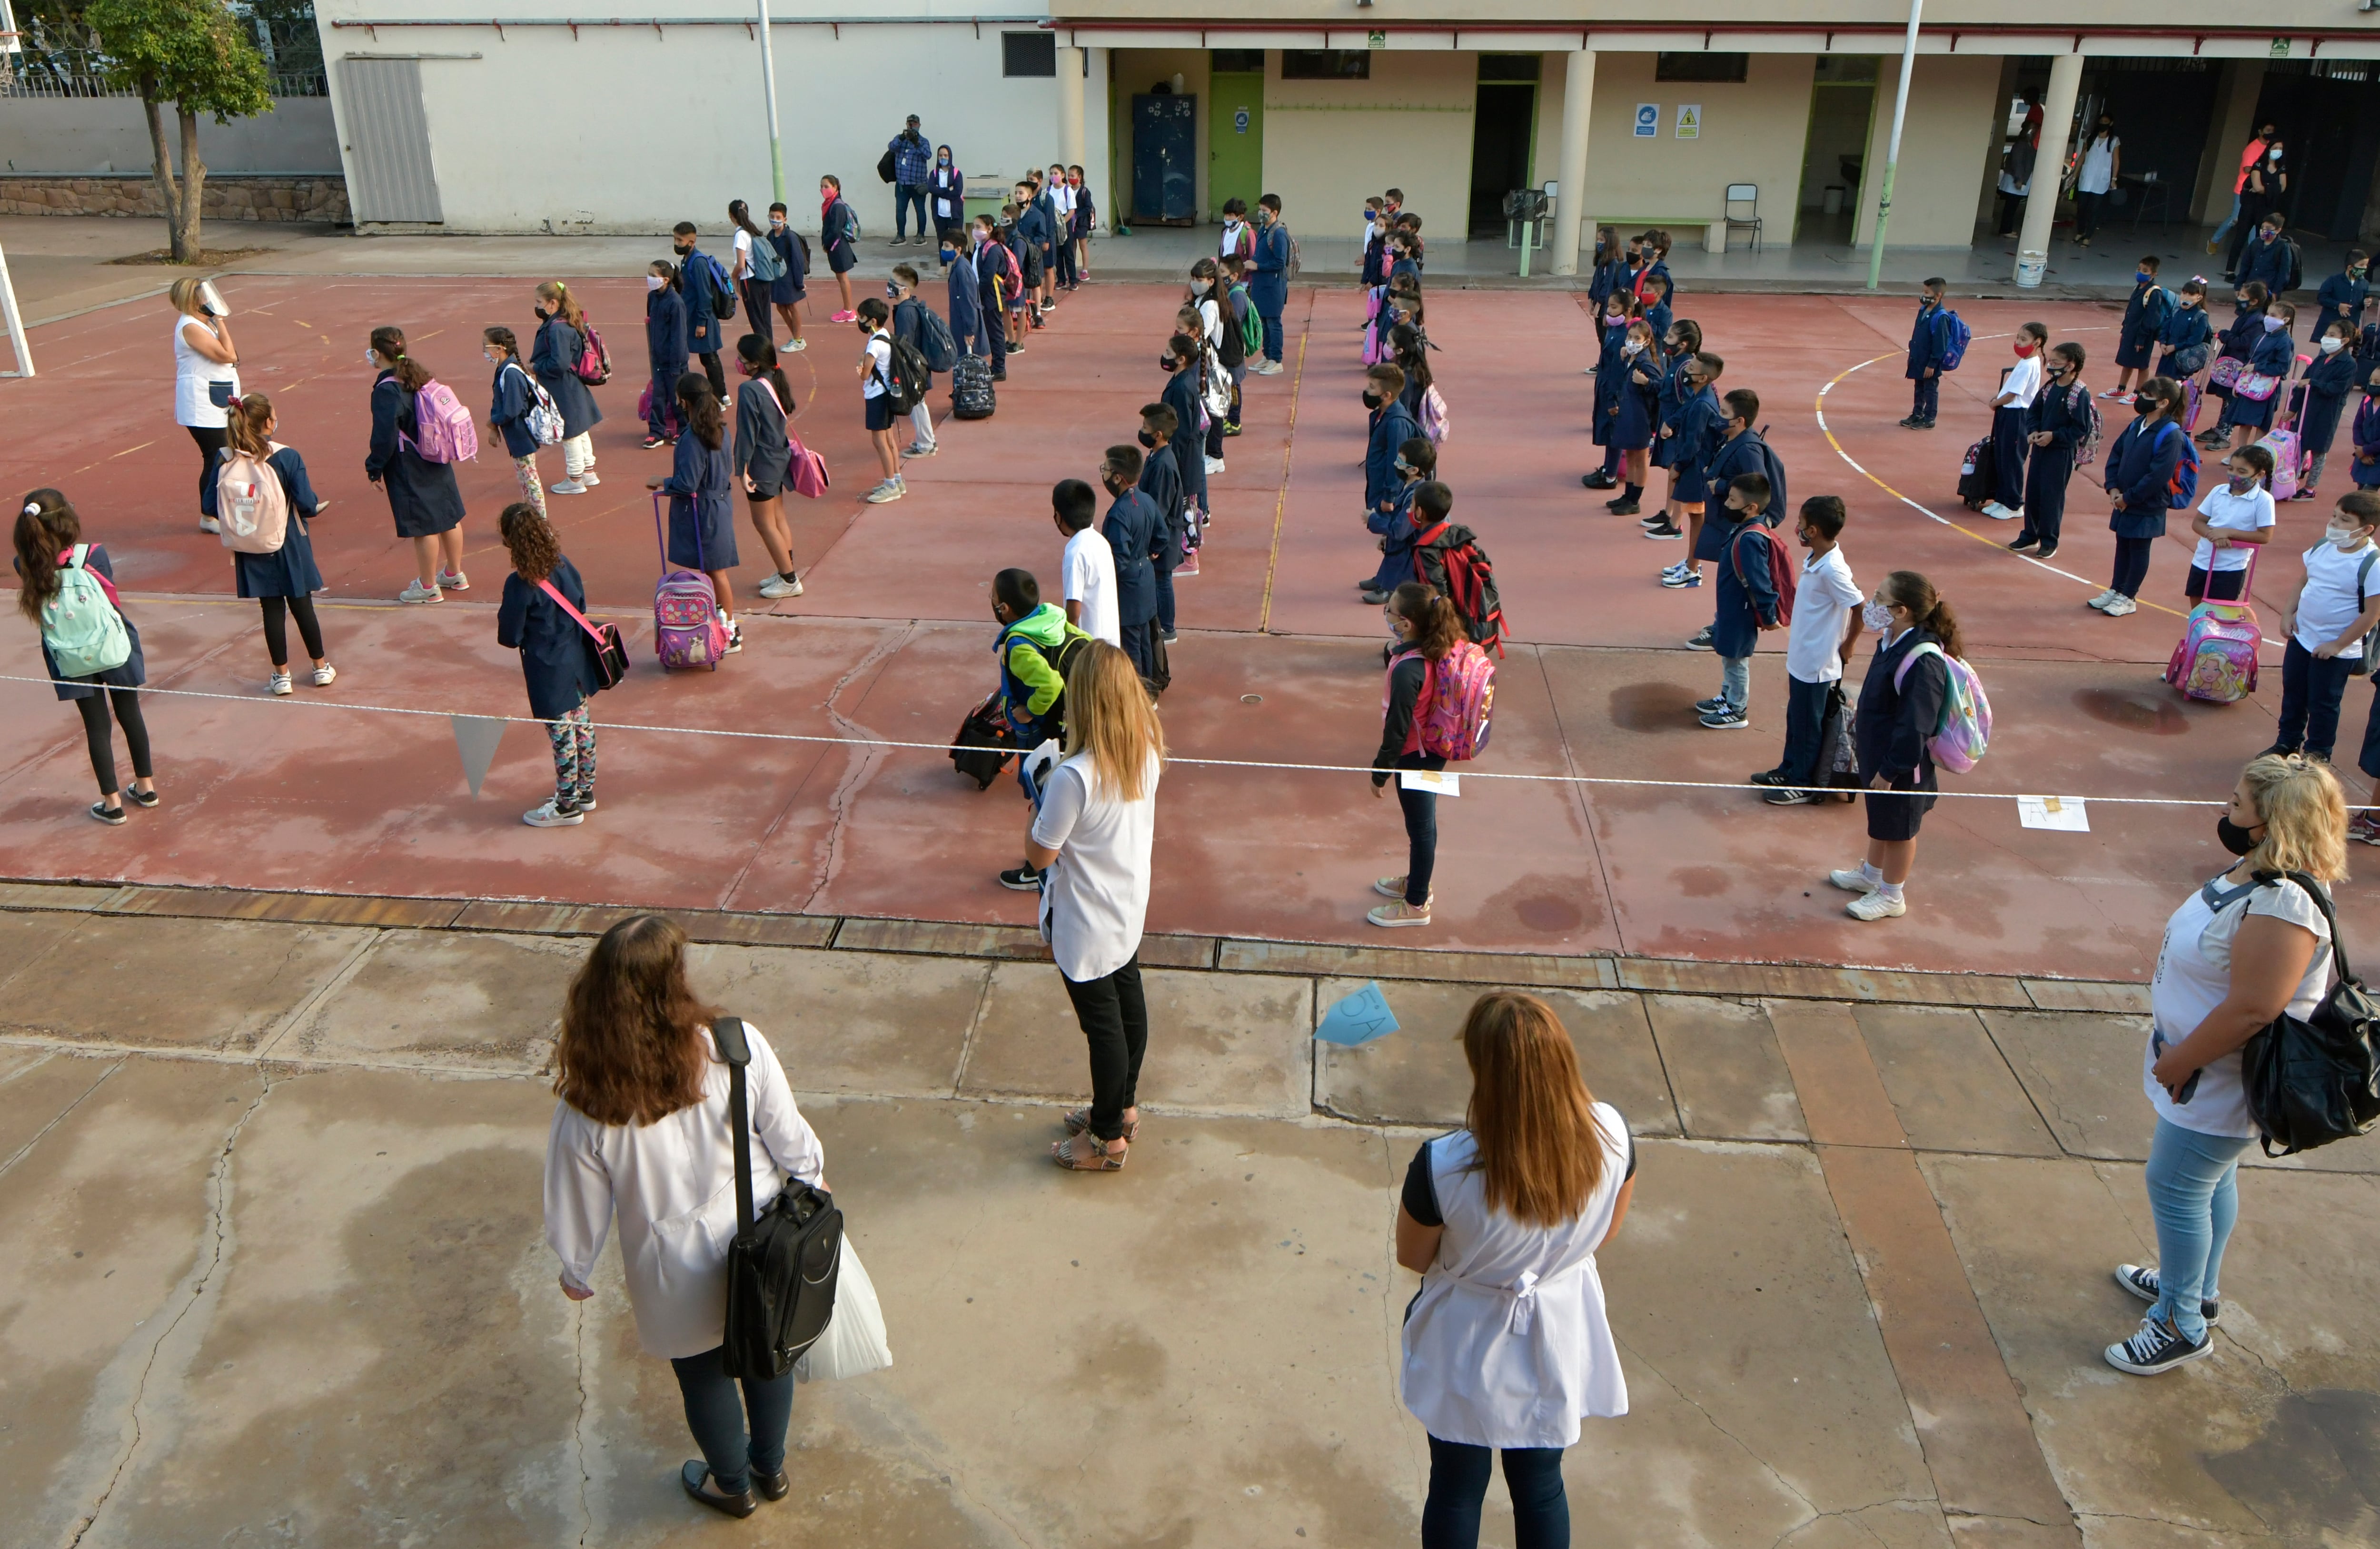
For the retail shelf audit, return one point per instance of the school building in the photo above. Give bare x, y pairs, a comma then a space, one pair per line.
540, 120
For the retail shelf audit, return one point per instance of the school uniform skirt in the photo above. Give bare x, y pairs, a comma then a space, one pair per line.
2248, 412
288, 570
1895, 815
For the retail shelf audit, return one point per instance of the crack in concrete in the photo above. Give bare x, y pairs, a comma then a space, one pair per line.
866, 758
1853, 1515
1712, 1420
27, 1149
213, 1232
578, 1426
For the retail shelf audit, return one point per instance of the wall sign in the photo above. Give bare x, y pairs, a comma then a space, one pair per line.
1240, 121
1649, 120
1690, 120
1375, 40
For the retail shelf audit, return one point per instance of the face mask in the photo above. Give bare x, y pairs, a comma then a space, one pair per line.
1371, 400
1632, 346
2145, 407
1167, 363
1404, 470
2331, 347
1148, 440
372, 357
891, 291
2242, 483
2271, 322
491, 357
2024, 350
2142, 276
2356, 273
1876, 616
2342, 538
943, 157
2232, 837
681, 251
653, 282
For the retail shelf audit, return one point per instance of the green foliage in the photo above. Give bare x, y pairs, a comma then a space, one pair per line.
192, 53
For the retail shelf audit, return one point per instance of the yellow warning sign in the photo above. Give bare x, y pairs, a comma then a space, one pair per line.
1690, 121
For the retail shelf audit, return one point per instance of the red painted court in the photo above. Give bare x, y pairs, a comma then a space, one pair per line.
1279, 659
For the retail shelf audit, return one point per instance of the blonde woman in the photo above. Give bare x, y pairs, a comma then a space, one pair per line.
2248, 946
1507, 1345
1089, 838
641, 1130
206, 377
561, 339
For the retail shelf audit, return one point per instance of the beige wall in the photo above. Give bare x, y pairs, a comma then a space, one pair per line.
1839, 112
1553, 79
1408, 126
1947, 146
1752, 132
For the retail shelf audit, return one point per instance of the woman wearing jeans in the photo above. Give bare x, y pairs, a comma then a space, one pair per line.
2240, 950
1426, 627
642, 1130
1089, 838
1507, 1345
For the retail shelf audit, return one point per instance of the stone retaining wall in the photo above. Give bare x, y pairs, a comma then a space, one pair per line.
312, 201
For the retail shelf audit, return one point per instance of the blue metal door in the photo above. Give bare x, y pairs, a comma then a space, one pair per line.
1165, 158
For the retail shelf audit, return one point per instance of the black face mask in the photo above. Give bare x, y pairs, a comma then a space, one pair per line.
1167, 363
1149, 441
2146, 407
1371, 400
2232, 837
2372, 389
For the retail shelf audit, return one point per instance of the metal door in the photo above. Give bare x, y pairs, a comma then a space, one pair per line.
1165, 147
388, 141
1234, 138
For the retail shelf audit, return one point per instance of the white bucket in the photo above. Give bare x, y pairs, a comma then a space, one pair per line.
2029, 267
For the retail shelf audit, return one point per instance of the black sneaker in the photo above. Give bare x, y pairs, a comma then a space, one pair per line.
2141, 1281
1662, 532
2024, 541
111, 816
2155, 1349
1658, 518
1910, 422
1598, 481
1022, 879
1701, 642
1789, 798
1623, 508
1766, 776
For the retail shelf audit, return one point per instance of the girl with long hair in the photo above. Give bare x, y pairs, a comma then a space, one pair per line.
756, 267
1897, 714
422, 496
561, 339
1090, 837
641, 1130
49, 541
701, 532
764, 410
283, 582
510, 398
558, 657
1427, 626
1508, 1347
788, 289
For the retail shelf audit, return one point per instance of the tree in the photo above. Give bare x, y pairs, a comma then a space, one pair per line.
196, 54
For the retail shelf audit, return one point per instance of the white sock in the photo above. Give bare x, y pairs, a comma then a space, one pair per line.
1868, 870
1889, 891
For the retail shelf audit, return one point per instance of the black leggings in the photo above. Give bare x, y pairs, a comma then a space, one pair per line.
277, 633
2131, 564
94, 731
212, 439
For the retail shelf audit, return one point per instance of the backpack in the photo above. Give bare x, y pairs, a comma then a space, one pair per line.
940, 350
1251, 325
1780, 571
1978, 474
1435, 422
545, 419
443, 431
723, 290
594, 366
2216, 658
1448, 557
1450, 718
887, 165
2182, 488
1051, 723
250, 502
2157, 309
971, 391
80, 623
2086, 445
2297, 267
1772, 467
1956, 337
906, 381
1965, 733
687, 630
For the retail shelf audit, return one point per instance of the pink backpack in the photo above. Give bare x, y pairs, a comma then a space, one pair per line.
2215, 658
1436, 423
1457, 693
687, 630
1965, 730
445, 431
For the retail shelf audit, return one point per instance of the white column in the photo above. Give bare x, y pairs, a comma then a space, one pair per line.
2049, 161
1569, 188
1070, 105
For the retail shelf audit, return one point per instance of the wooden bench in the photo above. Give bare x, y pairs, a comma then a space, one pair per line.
1714, 228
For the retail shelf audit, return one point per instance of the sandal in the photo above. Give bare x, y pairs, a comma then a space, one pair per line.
1080, 1120
1101, 1159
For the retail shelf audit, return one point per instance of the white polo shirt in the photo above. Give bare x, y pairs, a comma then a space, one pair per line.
2024, 382
1091, 581
2226, 512
2331, 600
1822, 599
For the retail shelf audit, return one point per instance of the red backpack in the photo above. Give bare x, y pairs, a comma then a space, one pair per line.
1448, 557
1781, 567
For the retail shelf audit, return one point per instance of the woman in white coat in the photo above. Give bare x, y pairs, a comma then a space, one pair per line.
206, 379
1506, 1346
642, 1130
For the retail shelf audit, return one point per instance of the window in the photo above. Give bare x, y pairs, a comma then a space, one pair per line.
1326, 64
1512, 67
1237, 61
1701, 67
1028, 54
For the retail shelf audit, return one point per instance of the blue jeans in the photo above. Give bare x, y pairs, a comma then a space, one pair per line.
2225, 229
2194, 1194
1735, 681
2311, 691
1458, 1483
903, 196
1271, 335
715, 1415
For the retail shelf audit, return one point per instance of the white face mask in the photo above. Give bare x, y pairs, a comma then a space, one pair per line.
2343, 538
372, 357
2330, 345
653, 282
491, 357
1876, 616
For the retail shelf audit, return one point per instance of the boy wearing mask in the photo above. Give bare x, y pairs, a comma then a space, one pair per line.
1924, 368
1748, 602
1161, 485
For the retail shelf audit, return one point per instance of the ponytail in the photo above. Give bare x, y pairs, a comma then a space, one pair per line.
1437, 626
698, 408
388, 342
755, 351
502, 337
245, 422
1926, 609
46, 524
741, 214
559, 294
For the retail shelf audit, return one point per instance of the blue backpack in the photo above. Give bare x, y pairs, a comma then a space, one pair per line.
2182, 489
1956, 337
1773, 468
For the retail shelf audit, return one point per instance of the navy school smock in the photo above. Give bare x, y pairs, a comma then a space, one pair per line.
422, 495
290, 570
701, 522
554, 358
558, 657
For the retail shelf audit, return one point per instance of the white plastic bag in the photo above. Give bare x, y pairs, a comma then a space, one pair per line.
853, 1343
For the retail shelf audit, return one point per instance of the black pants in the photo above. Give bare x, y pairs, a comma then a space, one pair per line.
1458, 1483
2312, 689
1115, 1025
2131, 564
212, 439
2086, 214
1421, 829
1805, 743
276, 631
2045, 492
711, 369
756, 304
2369, 760
1139, 643
1926, 399
1066, 275
2011, 213
93, 708
2008, 448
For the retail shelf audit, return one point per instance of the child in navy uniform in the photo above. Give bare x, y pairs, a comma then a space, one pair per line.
1161, 482
284, 581
2327, 381
2136, 336
1924, 366
2054, 427
1748, 602
1398, 526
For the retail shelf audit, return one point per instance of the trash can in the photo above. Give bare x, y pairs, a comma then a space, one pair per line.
2028, 266
1834, 199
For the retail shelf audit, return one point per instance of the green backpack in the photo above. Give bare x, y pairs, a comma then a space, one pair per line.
1251, 327
80, 625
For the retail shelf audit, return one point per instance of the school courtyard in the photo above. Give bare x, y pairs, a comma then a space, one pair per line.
270, 1109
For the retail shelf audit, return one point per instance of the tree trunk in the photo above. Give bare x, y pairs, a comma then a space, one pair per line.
162, 161
187, 247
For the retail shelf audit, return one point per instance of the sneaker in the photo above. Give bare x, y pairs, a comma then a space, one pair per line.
279, 684
1375, 597
919, 449
1788, 797
111, 816
591, 478
797, 345
2103, 599
565, 487
777, 585
1688, 579
2120, 607
2157, 1348
144, 800
415, 592
889, 489
1214, 465
1172, 638
2305, 494
1851, 879
726, 405
735, 640
1399, 914
844, 317
1726, 718
2141, 1281
2047, 551
1716, 702
553, 814
1187, 565
2114, 393
1268, 369
1997, 512
453, 581
1662, 532
1001, 375
325, 675
1701, 641
1622, 508
2022, 541
1923, 425
208, 524
585, 803
1908, 422
2365, 827
1876, 906
1230, 430
1022, 879
1389, 887
1658, 518
655, 443
1598, 481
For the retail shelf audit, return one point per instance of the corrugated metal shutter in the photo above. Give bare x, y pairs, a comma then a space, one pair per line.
389, 137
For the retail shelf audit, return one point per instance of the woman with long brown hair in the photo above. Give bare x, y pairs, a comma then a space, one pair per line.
641, 1130
49, 547
561, 339
1507, 1345
422, 495
283, 580
1094, 819
1426, 627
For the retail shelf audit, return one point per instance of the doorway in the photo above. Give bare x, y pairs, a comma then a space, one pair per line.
1504, 136
1235, 126
1834, 155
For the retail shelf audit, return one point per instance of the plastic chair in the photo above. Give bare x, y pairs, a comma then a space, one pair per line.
1746, 194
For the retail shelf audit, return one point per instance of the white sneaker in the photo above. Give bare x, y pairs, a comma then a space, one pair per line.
1851, 879
919, 449
565, 487
1876, 906
551, 815
453, 581
279, 684
889, 489
777, 585
325, 675
2103, 599
1214, 464
415, 592
1999, 513
591, 479
798, 345
1268, 368
208, 524
2120, 607
726, 405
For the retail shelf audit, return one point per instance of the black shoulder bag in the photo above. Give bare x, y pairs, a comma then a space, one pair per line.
2312, 1082
782, 1265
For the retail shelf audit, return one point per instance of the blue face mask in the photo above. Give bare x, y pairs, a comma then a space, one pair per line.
2142, 276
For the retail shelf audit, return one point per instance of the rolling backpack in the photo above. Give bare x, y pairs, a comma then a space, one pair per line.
1448, 558
594, 366
2216, 658
1978, 472
1436, 423
1956, 337
687, 630
980, 749
443, 427
971, 391
80, 623
1450, 719
1965, 733
252, 507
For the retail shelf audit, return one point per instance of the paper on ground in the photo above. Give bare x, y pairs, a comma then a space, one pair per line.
2064, 813
1358, 1019
1430, 780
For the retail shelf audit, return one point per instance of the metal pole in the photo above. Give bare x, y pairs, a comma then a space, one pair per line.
1892, 151
769, 85
15, 323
